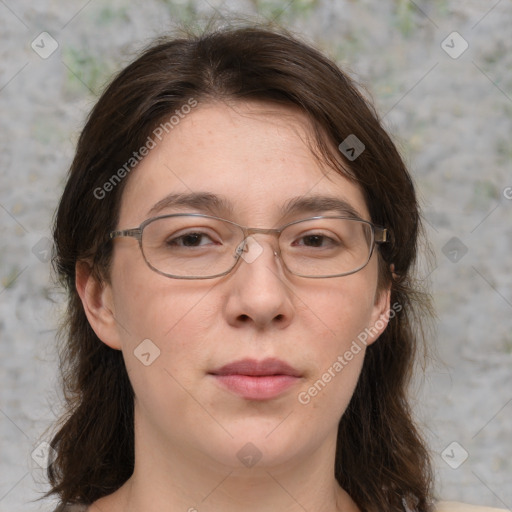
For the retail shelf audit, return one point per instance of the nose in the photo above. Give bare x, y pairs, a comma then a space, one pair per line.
258, 291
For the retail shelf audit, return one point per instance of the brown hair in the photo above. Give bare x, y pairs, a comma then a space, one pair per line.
381, 460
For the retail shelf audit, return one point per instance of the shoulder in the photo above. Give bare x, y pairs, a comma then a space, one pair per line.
71, 508
456, 506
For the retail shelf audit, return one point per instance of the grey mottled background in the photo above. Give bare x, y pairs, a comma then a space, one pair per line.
450, 112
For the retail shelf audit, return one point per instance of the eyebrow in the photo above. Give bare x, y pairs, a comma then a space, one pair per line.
318, 204
202, 201
216, 205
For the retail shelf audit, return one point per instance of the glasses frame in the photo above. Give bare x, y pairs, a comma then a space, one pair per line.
379, 235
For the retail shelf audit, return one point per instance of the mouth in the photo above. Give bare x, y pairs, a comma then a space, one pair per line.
257, 380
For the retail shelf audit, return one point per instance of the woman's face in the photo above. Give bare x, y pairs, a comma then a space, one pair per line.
256, 158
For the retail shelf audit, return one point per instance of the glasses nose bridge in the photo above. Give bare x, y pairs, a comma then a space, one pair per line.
262, 231
275, 232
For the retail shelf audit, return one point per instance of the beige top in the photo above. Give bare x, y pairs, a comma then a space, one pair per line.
442, 506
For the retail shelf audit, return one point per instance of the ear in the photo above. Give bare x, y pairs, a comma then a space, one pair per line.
97, 301
380, 314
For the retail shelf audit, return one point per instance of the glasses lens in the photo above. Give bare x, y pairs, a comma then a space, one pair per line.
326, 246
190, 246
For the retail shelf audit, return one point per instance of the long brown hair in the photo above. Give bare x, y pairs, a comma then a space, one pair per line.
381, 460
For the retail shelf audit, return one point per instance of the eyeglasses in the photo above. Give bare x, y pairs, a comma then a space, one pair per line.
197, 246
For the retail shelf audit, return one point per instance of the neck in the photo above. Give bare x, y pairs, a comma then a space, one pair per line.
167, 480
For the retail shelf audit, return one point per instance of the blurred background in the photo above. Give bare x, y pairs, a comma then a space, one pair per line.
440, 75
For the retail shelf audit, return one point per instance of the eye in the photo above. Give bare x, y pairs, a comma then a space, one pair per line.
190, 239
316, 240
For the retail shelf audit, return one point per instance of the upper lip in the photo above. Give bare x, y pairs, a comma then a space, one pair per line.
253, 367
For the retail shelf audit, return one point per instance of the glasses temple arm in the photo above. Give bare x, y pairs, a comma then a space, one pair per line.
381, 234
135, 233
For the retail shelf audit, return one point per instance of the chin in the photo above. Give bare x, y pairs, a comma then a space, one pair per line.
262, 444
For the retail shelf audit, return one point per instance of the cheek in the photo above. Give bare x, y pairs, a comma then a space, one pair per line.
163, 328
338, 347
148, 305
344, 310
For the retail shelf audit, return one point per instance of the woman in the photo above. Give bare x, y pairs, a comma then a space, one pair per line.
237, 235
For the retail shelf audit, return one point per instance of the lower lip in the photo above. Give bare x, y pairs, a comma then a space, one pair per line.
257, 388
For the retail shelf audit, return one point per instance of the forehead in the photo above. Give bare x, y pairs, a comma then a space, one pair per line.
254, 157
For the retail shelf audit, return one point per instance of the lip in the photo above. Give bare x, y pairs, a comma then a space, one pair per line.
257, 380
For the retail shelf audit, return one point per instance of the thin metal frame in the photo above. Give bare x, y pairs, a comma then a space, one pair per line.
379, 236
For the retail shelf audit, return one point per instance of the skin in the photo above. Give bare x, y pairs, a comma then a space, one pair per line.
188, 429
